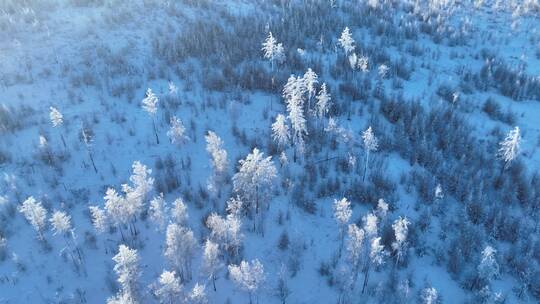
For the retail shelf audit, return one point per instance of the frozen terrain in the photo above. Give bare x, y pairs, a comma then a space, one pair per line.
403, 139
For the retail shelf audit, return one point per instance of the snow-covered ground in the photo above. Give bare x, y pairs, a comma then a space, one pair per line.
94, 61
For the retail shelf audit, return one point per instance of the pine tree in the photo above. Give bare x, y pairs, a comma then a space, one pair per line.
342, 214
273, 50
136, 194
248, 276
180, 245
346, 41
219, 161
280, 131
150, 104
177, 131
211, 264
87, 139
157, 211
323, 102
488, 267
293, 92
373, 251
371, 144
128, 272
370, 225
383, 71
310, 81
115, 206
382, 210
376, 258
99, 219
363, 64
61, 223
355, 245
179, 212
429, 296
254, 181
510, 146
57, 120
35, 214
170, 288
401, 230
226, 231
198, 295
173, 89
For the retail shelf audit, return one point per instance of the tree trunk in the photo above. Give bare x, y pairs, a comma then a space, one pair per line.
92, 159
63, 140
365, 166
366, 278
155, 130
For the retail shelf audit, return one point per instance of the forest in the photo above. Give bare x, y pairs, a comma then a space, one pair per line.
269, 151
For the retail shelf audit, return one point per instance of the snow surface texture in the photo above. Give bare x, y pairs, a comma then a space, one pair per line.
326, 151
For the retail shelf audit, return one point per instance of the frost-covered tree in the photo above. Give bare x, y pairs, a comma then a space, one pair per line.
87, 138
323, 102
510, 146
150, 104
310, 81
488, 267
383, 71
439, 194
355, 245
121, 298
35, 214
197, 295
44, 148
57, 120
142, 185
219, 161
99, 219
180, 245
401, 230
173, 89
346, 41
273, 51
169, 289
60, 223
115, 206
226, 231
179, 212
177, 131
376, 258
283, 160
211, 263
362, 63
370, 225
429, 295
158, 211
248, 276
382, 209
136, 193
282, 289
128, 271
293, 93
342, 214
371, 144
280, 131
372, 251
254, 180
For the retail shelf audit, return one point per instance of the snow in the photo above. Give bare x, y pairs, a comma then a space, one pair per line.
65, 66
